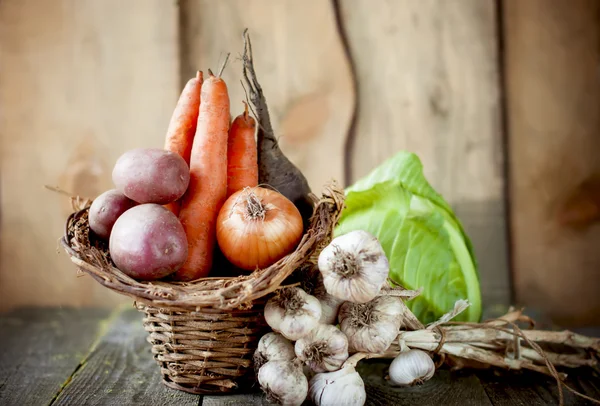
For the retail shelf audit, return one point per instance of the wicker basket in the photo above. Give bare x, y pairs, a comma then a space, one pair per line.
204, 333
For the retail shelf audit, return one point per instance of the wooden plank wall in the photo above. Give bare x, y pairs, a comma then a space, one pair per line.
81, 81
427, 75
348, 84
553, 111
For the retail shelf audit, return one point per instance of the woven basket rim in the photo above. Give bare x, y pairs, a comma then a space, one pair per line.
210, 293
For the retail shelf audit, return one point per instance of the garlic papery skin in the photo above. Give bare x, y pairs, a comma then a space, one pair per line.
273, 347
411, 367
373, 326
283, 382
330, 305
323, 349
344, 387
293, 313
354, 267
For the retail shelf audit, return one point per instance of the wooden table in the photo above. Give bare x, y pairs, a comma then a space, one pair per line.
95, 357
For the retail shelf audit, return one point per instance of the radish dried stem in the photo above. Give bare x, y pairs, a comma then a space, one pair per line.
501, 343
274, 168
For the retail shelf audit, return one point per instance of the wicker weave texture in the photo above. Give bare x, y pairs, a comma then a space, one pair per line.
204, 352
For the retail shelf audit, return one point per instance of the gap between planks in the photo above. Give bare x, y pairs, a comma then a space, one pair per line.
40, 348
104, 327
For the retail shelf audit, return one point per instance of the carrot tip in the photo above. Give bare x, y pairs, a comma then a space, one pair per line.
210, 72
199, 75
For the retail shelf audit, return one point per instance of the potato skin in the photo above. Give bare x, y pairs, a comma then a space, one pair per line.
106, 209
148, 242
151, 175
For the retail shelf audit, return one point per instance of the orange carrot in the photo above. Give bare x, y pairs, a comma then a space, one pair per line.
242, 164
207, 189
182, 127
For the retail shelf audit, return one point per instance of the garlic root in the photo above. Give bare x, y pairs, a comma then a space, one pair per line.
354, 267
372, 326
293, 313
323, 349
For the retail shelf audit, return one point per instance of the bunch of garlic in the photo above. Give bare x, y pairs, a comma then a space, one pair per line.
352, 269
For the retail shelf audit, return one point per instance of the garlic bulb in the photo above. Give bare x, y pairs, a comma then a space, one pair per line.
330, 305
323, 349
293, 313
354, 267
372, 326
344, 387
283, 382
411, 367
273, 347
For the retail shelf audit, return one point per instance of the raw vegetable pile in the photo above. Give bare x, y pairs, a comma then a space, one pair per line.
223, 192
214, 190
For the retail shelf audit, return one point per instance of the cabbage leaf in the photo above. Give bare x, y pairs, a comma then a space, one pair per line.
423, 239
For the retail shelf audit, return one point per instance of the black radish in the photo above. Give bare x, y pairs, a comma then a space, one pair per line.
274, 168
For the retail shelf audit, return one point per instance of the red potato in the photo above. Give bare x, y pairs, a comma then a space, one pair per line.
151, 175
106, 209
148, 242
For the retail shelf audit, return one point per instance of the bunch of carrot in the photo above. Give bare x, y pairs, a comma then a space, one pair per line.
222, 157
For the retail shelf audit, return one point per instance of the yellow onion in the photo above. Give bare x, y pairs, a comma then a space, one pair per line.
257, 226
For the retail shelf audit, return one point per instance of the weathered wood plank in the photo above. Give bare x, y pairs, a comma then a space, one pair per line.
121, 371
553, 99
300, 63
82, 81
254, 399
428, 82
444, 388
515, 388
40, 349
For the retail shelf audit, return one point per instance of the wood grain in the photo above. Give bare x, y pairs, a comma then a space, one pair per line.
428, 82
300, 64
538, 390
553, 99
47, 356
82, 82
254, 399
121, 371
40, 349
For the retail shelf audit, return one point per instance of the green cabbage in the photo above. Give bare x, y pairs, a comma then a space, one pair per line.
423, 239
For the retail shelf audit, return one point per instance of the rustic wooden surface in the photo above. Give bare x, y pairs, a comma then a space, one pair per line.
553, 105
40, 349
92, 357
82, 81
121, 370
